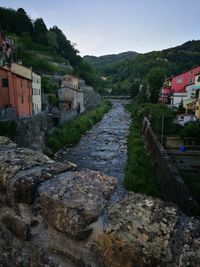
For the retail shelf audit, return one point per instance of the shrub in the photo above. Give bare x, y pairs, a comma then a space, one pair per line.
191, 132
8, 128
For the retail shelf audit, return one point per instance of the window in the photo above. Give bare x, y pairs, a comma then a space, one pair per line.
21, 83
198, 78
190, 80
179, 80
4, 82
191, 72
22, 99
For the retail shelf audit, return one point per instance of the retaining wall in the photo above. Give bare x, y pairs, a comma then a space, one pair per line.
170, 182
7, 114
30, 131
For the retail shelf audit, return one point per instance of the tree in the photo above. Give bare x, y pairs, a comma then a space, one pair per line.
190, 132
24, 23
51, 40
40, 31
181, 108
155, 79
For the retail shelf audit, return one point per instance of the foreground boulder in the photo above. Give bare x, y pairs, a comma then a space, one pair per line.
72, 201
53, 215
141, 231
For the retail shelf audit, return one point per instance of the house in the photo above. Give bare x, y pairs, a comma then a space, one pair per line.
179, 87
182, 119
36, 93
15, 89
197, 90
70, 81
166, 91
70, 95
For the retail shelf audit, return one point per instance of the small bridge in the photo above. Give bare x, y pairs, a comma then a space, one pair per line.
125, 97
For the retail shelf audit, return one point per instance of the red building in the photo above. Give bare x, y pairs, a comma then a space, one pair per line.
178, 83
16, 92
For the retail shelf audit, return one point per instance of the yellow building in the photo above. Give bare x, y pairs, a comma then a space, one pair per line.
197, 89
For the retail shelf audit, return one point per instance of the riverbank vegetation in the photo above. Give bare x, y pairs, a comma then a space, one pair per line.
139, 174
71, 132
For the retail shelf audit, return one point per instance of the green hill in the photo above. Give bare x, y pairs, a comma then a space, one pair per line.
47, 51
126, 76
102, 61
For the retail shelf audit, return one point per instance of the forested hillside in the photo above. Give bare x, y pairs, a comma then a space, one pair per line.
126, 76
45, 50
103, 61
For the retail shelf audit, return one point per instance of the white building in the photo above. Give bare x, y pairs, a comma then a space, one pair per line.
36, 93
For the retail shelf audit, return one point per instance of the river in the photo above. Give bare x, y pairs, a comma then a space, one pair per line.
104, 147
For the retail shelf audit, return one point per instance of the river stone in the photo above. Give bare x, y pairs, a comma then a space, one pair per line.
138, 233
72, 201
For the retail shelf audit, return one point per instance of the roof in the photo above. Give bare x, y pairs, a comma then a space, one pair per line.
186, 71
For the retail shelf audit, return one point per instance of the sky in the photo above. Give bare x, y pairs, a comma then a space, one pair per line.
101, 27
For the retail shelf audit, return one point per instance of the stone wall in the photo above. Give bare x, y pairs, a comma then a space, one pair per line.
91, 99
30, 131
67, 115
53, 215
7, 114
170, 182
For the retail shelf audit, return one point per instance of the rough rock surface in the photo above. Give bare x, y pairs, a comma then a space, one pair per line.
143, 231
53, 215
71, 201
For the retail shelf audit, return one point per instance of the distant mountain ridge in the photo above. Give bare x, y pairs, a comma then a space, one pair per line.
125, 74
103, 61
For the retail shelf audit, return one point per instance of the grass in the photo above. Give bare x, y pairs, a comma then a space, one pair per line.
139, 174
193, 183
71, 132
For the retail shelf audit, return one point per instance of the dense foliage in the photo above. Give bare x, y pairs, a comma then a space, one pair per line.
130, 75
191, 133
8, 128
45, 50
102, 61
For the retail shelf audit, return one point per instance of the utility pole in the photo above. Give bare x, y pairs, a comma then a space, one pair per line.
162, 129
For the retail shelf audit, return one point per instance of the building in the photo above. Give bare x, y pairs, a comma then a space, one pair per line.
70, 95
15, 89
179, 87
70, 81
197, 90
179, 82
36, 93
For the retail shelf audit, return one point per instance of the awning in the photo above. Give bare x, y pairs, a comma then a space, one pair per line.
196, 87
188, 101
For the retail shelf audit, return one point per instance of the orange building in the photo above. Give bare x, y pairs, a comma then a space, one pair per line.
16, 92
